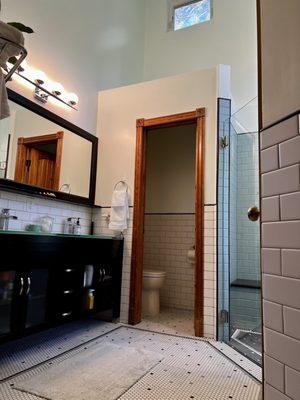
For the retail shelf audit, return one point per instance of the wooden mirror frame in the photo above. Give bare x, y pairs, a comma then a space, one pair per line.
10, 185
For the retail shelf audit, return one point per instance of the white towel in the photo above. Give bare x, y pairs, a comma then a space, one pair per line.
119, 212
4, 107
14, 35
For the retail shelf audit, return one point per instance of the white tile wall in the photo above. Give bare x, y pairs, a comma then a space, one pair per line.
209, 264
248, 263
30, 209
210, 271
167, 241
280, 260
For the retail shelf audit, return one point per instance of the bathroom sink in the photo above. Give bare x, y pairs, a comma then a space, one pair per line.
57, 234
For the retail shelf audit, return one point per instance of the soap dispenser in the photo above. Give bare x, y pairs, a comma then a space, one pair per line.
77, 227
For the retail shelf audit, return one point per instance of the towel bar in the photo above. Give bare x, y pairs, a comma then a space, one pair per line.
22, 51
124, 183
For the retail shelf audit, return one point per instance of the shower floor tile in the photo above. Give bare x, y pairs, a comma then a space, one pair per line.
171, 321
244, 362
190, 369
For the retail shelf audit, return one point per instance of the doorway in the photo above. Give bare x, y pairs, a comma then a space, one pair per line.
144, 129
38, 160
239, 275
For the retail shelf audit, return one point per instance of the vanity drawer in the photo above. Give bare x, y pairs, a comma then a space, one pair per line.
65, 302
69, 279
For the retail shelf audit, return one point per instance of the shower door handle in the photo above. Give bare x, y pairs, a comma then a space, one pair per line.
253, 213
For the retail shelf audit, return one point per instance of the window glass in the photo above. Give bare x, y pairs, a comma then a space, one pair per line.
191, 14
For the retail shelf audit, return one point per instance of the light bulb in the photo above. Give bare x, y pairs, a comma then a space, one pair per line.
57, 88
72, 98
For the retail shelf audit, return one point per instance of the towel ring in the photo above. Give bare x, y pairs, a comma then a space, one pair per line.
124, 183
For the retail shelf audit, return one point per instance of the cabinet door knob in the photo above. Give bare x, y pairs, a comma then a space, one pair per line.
253, 213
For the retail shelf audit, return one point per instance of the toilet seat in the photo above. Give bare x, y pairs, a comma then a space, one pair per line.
151, 273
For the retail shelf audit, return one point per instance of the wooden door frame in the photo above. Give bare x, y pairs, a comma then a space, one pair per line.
24, 142
142, 125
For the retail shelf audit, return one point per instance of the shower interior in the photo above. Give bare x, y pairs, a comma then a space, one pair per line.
239, 279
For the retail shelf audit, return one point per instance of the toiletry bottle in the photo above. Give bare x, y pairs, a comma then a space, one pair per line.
77, 227
90, 299
67, 226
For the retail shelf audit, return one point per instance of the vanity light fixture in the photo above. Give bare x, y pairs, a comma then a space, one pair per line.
40, 79
44, 87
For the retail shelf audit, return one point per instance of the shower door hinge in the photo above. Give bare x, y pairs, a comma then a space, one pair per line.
224, 316
223, 142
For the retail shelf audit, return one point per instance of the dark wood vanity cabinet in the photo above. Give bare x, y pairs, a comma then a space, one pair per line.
43, 280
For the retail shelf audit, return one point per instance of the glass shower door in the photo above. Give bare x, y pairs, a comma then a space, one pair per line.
239, 279
244, 245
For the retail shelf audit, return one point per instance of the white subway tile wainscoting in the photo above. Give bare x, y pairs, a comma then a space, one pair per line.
166, 245
29, 210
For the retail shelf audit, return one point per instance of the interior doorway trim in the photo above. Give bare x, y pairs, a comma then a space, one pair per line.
25, 142
142, 125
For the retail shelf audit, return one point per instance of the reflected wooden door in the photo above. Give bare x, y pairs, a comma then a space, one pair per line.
38, 160
39, 168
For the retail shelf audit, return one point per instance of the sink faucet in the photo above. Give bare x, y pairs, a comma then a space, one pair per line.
4, 218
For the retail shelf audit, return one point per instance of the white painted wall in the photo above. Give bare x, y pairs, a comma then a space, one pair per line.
120, 108
280, 62
106, 44
170, 171
229, 38
87, 46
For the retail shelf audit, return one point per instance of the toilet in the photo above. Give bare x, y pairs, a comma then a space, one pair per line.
153, 281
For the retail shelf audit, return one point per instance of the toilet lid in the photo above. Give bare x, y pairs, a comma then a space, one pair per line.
153, 273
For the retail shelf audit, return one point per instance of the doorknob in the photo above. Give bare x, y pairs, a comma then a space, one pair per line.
253, 213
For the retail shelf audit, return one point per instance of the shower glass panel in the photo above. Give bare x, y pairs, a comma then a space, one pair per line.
239, 251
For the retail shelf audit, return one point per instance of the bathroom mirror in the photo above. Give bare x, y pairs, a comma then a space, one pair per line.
44, 154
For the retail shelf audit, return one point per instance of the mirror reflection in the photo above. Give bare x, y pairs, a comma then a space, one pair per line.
36, 151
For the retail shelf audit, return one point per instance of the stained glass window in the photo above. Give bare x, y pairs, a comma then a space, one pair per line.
192, 13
